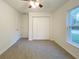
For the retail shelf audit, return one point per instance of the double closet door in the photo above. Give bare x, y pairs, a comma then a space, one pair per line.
40, 28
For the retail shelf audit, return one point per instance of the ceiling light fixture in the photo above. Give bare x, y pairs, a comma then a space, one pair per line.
37, 4
34, 3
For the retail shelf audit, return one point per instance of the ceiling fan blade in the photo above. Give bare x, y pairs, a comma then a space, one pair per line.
40, 5
30, 6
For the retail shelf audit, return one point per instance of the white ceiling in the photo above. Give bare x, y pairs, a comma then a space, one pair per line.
49, 5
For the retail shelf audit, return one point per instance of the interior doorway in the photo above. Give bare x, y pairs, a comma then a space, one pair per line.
40, 27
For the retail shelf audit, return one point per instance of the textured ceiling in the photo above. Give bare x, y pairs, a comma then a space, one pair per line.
49, 5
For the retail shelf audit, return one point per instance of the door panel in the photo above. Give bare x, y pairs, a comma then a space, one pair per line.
41, 28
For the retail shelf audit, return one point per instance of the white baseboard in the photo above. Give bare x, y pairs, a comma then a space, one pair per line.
15, 39
64, 49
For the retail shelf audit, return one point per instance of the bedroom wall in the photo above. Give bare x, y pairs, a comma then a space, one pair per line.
9, 26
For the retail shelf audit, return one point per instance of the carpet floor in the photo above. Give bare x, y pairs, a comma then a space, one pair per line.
25, 49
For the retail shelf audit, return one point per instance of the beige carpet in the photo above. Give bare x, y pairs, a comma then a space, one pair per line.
25, 49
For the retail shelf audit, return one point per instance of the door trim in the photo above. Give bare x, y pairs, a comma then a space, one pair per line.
49, 26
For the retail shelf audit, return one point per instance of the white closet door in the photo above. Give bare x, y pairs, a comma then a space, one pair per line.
41, 28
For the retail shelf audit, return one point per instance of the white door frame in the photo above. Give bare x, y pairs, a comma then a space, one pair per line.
49, 25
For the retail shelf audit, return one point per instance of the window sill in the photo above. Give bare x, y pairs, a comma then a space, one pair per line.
73, 43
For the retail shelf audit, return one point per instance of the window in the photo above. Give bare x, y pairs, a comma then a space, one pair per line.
73, 27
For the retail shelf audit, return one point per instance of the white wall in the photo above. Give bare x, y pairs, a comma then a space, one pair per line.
33, 14
9, 26
25, 26
59, 26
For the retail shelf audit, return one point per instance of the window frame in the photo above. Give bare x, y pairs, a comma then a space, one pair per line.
69, 39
